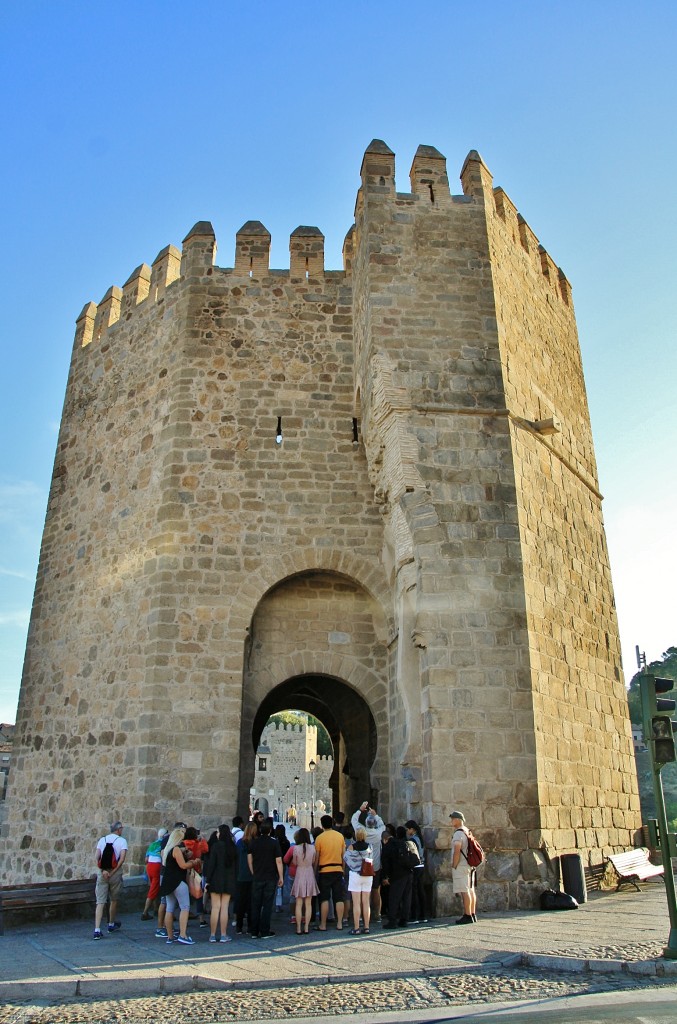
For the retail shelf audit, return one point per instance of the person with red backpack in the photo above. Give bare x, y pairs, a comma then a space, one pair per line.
111, 851
465, 851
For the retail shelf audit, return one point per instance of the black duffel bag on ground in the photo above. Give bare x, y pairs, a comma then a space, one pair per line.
552, 900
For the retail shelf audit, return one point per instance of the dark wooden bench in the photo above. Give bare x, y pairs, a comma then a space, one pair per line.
634, 867
45, 896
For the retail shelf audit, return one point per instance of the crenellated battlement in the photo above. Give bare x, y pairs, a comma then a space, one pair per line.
477, 182
148, 285
522, 235
429, 182
289, 727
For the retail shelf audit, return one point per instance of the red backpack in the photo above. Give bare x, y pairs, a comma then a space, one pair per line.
475, 855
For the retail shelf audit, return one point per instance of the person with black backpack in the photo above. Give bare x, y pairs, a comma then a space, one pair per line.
418, 900
463, 861
111, 851
398, 857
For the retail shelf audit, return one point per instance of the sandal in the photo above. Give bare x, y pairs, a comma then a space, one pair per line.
354, 931
365, 931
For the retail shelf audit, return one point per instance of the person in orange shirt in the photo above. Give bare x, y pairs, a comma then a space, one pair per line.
330, 846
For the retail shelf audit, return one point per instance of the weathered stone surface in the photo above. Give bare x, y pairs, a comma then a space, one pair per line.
502, 866
415, 561
534, 866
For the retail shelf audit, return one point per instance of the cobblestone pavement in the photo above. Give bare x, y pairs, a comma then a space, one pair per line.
451, 990
632, 953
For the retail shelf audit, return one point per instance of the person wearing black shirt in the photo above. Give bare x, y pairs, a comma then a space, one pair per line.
264, 858
397, 876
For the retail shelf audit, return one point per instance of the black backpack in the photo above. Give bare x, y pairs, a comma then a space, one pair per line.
108, 859
408, 855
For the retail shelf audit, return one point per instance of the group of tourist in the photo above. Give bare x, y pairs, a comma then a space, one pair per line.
351, 874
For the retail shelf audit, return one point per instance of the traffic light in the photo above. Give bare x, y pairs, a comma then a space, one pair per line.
659, 728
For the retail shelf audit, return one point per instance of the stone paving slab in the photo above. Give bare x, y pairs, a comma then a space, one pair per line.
59, 960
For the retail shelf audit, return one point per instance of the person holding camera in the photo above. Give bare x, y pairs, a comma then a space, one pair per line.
374, 827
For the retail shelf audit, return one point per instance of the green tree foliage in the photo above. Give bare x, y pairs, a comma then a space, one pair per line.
288, 718
666, 666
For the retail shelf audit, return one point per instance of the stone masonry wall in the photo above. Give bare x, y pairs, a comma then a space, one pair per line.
83, 726
173, 511
438, 442
370, 492
587, 788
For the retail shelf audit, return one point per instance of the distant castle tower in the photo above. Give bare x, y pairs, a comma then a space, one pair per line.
282, 776
369, 494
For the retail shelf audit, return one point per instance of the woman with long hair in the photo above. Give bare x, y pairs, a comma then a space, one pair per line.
174, 886
245, 878
358, 856
220, 881
305, 887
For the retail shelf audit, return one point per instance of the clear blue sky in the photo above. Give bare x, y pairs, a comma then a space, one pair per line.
125, 123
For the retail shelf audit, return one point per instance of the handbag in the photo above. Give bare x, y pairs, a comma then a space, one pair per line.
289, 861
367, 868
194, 884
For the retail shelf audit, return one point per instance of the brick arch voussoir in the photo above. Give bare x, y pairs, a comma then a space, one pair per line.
294, 563
348, 670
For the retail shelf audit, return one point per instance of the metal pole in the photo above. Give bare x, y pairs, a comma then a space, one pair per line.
311, 769
670, 951
667, 840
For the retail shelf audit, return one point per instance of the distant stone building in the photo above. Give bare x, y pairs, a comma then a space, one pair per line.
638, 738
6, 743
283, 755
368, 494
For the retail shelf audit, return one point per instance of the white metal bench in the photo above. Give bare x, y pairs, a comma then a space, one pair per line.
634, 867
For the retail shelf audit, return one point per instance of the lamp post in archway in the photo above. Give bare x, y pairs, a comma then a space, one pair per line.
311, 768
296, 799
286, 810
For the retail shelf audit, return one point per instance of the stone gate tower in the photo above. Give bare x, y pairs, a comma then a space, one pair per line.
368, 494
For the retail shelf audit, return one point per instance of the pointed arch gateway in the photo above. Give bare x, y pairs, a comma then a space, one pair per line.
316, 644
351, 726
